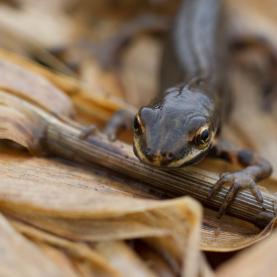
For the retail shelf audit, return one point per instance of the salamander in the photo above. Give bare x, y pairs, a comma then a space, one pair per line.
183, 124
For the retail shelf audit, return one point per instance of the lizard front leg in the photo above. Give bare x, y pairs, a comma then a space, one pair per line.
256, 169
120, 120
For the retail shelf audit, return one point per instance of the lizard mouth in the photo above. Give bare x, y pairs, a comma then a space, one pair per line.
193, 157
192, 160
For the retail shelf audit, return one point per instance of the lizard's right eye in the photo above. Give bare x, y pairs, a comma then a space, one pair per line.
136, 125
203, 138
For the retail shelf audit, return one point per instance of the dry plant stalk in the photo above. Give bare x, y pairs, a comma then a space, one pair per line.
62, 137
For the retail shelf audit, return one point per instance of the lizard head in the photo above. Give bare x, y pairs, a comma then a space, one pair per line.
177, 130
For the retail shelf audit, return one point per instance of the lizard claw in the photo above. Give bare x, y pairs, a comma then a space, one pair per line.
237, 181
225, 178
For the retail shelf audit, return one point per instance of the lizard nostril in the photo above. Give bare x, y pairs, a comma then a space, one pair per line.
169, 156
148, 151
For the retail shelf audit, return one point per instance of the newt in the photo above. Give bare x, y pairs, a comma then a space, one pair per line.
183, 124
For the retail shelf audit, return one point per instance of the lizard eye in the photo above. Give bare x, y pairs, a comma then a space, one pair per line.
203, 137
136, 125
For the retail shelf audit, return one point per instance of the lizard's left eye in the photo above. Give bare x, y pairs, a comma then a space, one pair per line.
136, 125
203, 137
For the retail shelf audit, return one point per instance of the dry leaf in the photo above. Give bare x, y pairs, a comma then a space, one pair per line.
79, 212
34, 88
92, 103
20, 257
77, 251
52, 27
123, 259
259, 260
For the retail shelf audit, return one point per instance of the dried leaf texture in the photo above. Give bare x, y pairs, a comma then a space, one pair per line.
242, 14
90, 101
258, 260
81, 254
20, 257
34, 88
52, 25
75, 209
127, 263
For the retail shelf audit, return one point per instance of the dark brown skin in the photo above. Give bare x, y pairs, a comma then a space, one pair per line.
182, 125
192, 102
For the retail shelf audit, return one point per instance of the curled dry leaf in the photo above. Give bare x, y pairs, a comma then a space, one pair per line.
75, 250
88, 102
19, 125
229, 233
63, 202
154, 260
127, 262
20, 257
59, 258
34, 88
65, 83
259, 260
15, 126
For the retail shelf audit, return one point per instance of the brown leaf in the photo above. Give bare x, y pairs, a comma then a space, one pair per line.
19, 124
34, 88
59, 258
78, 251
123, 258
90, 102
48, 32
259, 260
73, 210
65, 83
20, 257
229, 233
